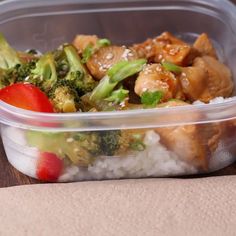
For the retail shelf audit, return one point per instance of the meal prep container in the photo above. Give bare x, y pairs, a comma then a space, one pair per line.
44, 25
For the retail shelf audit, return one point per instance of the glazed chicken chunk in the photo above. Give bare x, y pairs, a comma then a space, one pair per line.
155, 78
192, 143
82, 41
204, 46
102, 60
206, 79
166, 47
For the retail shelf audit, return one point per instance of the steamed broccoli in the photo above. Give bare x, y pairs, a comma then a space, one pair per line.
18, 73
64, 96
83, 81
44, 73
4, 79
80, 148
9, 60
109, 142
100, 142
62, 66
62, 144
8, 56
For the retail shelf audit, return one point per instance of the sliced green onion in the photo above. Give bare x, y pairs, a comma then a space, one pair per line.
151, 99
124, 69
103, 43
116, 74
103, 89
118, 96
87, 53
137, 136
90, 49
171, 67
138, 145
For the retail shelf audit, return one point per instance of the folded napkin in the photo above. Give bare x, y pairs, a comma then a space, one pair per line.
205, 206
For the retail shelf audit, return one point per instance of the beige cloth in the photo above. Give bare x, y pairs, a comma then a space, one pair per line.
205, 206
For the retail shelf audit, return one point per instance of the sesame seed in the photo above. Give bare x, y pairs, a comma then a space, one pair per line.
109, 56
122, 104
69, 140
101, 68
173, 51
148, 48
125, 54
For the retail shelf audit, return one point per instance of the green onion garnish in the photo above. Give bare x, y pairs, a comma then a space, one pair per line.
103, 43
90, 49
138, 145
151, 99
87, 53
116, 74
171, 67
124, 69
118, 96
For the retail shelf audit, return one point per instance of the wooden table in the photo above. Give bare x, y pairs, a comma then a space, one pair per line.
9, 176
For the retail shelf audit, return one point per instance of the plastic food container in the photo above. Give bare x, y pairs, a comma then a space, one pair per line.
209, 140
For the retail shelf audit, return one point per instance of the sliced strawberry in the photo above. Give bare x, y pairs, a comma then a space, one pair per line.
49, 167
26, 96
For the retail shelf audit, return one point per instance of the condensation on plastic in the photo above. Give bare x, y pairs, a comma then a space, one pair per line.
46, 24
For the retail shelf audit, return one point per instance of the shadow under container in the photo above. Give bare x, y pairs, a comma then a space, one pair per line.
159, 142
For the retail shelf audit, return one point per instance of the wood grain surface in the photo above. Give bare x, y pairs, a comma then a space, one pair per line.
9, 176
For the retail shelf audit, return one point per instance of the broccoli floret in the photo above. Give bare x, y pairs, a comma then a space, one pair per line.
131, 140
8, 56
109, 142
64, 96
89, 141
9, 60
81, 148
21, 72
83, 81
62, 66
44, 74
4, 79
63, 145
99, 142
18, 73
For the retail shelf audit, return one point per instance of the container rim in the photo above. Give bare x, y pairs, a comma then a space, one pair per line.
127, 119
138, 118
